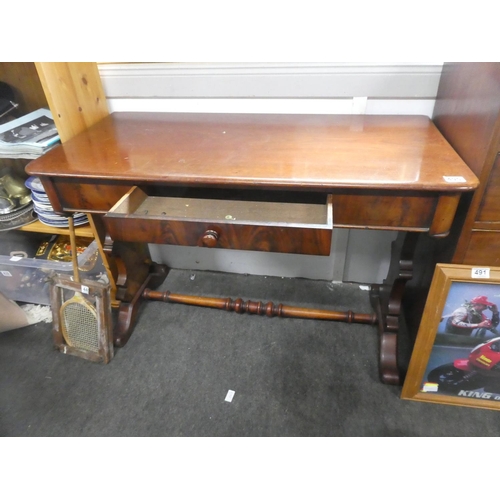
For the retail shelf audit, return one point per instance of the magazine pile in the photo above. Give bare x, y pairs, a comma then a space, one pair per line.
28, 137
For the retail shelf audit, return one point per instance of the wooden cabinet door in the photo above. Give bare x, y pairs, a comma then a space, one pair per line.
483, 249
489, 210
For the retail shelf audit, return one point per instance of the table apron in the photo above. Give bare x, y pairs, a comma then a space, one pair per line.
421, 211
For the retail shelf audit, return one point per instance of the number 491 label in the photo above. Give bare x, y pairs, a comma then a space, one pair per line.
480, 272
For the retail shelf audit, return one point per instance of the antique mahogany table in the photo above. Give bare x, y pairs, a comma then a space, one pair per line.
277, 183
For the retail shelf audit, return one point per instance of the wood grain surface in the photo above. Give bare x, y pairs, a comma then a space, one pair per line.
282, 151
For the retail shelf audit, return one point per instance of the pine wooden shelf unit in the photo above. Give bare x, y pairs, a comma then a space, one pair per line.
30, 95
38, 227
73, 93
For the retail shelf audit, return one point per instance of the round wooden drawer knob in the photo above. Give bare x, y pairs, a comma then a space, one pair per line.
210, 238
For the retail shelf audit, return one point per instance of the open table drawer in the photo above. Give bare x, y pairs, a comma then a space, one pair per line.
269, 226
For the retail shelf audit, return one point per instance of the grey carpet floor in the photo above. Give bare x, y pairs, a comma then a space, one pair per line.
290, 377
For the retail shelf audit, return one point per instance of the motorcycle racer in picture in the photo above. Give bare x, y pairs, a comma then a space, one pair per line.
470, 316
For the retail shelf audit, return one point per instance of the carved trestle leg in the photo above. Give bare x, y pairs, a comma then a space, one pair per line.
133, 270
386, 301
128, 310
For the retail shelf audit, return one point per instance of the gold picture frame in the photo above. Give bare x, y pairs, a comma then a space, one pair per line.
456, 356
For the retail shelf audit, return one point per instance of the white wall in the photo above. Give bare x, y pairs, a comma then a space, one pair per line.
322, 88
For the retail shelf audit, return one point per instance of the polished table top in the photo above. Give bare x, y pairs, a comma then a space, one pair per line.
316, 152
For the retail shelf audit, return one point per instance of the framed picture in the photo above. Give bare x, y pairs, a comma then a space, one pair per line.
456, 357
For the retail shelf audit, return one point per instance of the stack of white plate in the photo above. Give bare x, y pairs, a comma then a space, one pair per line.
44, 210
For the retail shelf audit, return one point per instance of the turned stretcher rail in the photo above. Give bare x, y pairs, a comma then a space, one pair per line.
251, 307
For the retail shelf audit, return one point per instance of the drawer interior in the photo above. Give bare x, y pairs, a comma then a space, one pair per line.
138, 204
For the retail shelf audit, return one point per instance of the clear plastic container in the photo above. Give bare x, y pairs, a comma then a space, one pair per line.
28, 279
